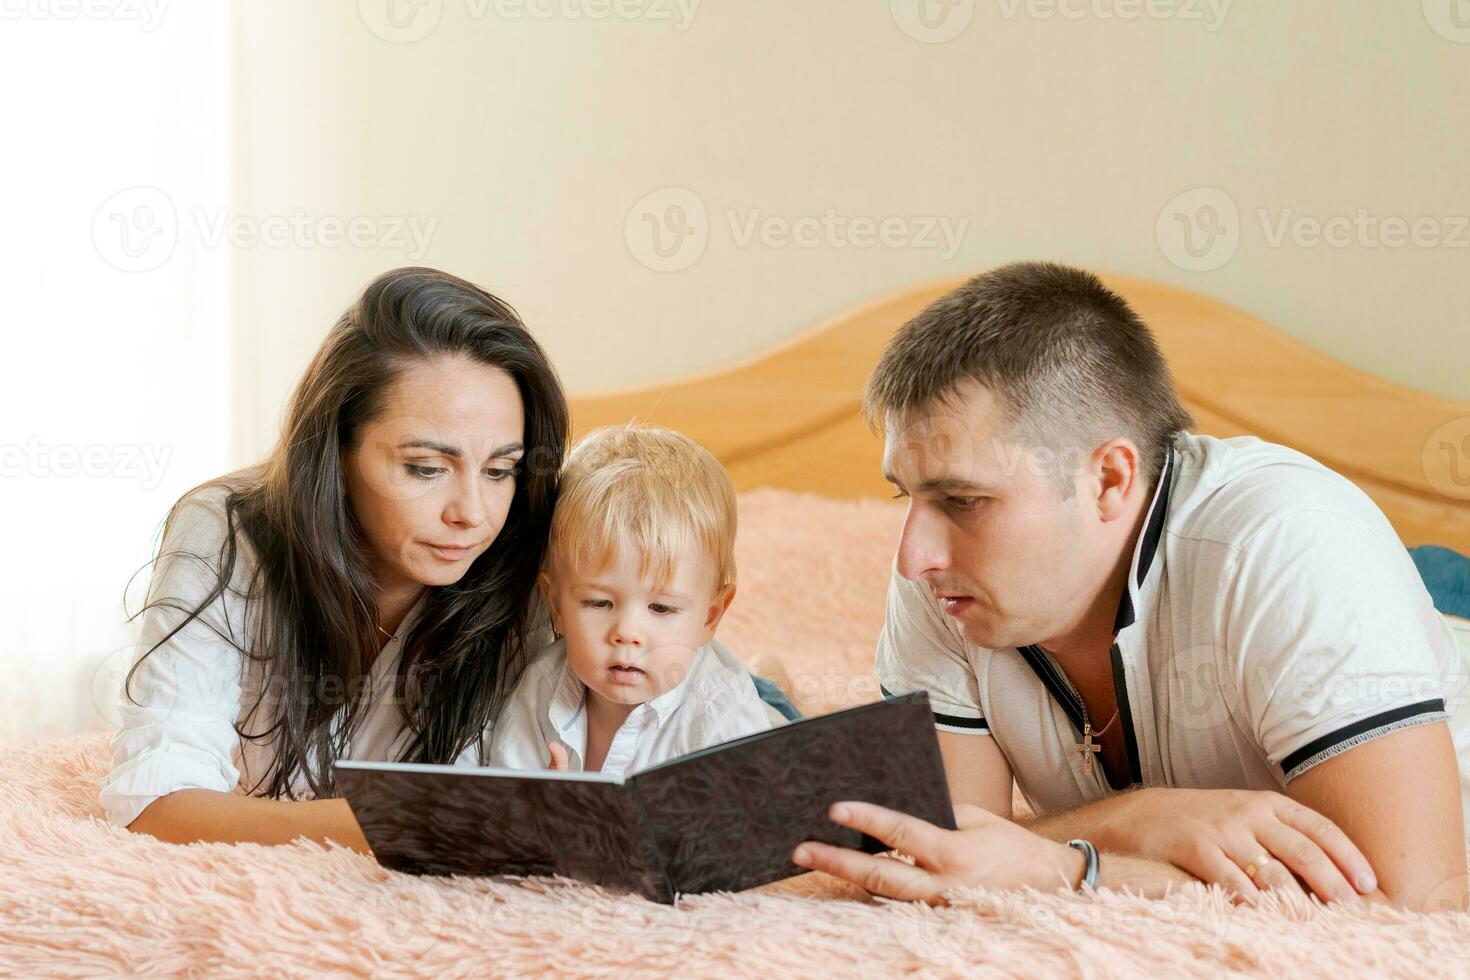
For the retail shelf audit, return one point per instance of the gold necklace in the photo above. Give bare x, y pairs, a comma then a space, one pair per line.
1087, 746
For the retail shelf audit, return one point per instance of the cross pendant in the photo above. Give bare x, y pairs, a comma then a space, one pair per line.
1088, 748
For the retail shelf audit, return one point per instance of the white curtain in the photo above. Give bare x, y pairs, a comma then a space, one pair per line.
114, 345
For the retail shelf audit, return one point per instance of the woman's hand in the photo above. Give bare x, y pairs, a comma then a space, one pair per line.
986, 850
560, 761
1219, 835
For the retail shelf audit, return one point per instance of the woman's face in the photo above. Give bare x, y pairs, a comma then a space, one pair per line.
430, 480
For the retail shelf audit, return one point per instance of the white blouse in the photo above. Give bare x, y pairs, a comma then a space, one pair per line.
192, 690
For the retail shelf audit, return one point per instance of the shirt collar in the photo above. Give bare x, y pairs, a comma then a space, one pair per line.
1146, 549
569, 700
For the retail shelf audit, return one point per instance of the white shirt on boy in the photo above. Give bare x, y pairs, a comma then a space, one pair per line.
715, 702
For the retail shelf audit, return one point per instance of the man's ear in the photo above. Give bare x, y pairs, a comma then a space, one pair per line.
548, 592
717, 609
1115, 469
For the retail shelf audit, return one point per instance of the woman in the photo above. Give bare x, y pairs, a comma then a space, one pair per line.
366, 592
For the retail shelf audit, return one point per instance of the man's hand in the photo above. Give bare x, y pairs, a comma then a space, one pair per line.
986, 850
1218, 834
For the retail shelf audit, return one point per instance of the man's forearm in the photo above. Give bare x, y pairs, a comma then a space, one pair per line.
1122, 872
1140, 876
1095, 821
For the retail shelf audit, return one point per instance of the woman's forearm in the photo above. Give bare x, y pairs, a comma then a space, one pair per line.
190, 815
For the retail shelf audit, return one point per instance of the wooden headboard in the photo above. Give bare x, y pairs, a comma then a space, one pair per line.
789, 417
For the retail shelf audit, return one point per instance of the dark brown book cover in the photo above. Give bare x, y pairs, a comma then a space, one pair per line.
725, 818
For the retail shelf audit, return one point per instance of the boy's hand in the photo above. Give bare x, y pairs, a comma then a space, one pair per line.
560, 762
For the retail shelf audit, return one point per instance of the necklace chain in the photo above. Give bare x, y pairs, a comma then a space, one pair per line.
1087, 747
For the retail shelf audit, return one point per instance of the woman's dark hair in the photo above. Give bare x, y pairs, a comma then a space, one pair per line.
316, 632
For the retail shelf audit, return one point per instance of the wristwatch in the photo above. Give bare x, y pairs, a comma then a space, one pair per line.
1089, 874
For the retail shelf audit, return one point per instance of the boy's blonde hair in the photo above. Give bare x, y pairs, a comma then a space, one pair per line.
646, 487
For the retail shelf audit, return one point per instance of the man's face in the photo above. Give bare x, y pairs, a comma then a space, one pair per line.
990, 529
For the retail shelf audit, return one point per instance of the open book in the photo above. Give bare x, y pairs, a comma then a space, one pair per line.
721, 819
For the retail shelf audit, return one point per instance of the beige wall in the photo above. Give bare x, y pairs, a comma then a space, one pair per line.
524, 144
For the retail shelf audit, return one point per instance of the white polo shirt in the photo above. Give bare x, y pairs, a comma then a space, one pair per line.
1272, 620
715, 702
194, 690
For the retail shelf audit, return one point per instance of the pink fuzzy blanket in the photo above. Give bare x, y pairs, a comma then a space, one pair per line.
81, 898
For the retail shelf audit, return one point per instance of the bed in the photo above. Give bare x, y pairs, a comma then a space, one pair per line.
84, 898
1408, 450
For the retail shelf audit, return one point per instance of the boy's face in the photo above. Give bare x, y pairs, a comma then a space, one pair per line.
630, 639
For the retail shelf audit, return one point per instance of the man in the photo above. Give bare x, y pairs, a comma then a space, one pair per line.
1211, 659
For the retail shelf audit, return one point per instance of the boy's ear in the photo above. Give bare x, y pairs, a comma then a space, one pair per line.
548, 592
717, 609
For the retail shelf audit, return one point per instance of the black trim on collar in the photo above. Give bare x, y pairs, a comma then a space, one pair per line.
1153, 533
1125, 718
1054, 683
1061, 692
1057, 686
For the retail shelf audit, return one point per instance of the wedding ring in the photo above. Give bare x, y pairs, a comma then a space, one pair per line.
1255, 866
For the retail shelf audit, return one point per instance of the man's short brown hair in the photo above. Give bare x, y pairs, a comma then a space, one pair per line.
1070, 362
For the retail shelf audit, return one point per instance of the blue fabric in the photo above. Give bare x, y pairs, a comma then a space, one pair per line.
771, 694
1446, 575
